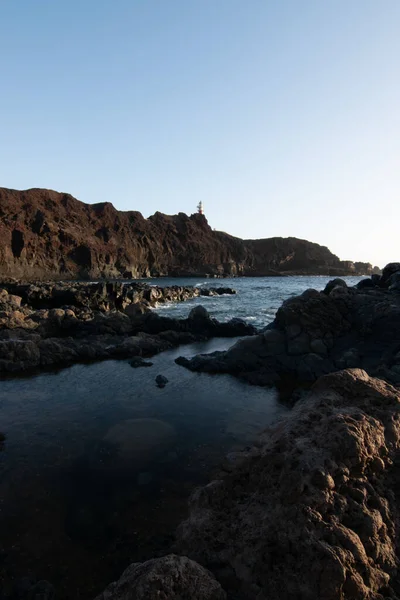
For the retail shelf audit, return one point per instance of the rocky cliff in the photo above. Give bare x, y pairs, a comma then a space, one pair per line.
50, 235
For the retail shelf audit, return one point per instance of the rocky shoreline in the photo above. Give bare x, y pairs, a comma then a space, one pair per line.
311, 511
318, 333
46, 325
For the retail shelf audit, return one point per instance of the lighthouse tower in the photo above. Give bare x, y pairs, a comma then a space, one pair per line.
200, 208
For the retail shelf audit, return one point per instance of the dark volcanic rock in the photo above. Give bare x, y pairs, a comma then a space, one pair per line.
50, 235
161, 381
389, 270
334, 283
102, 296
34, 338
316, 333
167, 578
139, 362
311, 511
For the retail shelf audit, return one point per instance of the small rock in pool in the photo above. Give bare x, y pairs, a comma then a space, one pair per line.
137, 361
161, 381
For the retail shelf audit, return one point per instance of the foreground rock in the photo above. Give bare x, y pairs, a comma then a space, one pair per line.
168, 578
311, 511
318, 333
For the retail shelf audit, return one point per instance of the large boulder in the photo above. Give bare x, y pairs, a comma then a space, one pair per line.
314, 314
388, 271
394, 281
334, 283
168, 578
310, 512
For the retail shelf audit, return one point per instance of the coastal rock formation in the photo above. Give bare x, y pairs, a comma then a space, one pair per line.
104, 296
318, 333
311, 511
50, 235
37, 329
168, 578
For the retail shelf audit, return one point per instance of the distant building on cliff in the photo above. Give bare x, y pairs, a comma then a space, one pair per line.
200, 208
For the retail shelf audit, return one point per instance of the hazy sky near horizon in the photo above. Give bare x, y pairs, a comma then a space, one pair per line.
282, 116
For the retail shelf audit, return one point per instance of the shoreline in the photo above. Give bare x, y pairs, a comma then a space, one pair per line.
312, 509
329, 467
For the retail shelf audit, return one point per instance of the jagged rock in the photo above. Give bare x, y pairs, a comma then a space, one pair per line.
167, 578
94, 328
133, 310
51, 235
314, 334
311, 511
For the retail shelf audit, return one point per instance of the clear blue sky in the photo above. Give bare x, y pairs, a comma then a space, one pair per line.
283, 116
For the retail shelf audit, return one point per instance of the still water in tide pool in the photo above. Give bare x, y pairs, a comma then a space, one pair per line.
78, 501
98, 462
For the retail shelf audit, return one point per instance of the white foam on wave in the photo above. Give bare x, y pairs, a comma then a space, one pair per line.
162, 305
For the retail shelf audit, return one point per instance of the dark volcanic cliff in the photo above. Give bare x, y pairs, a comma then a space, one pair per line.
50, 235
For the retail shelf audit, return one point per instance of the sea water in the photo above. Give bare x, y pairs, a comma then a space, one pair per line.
76, 514
256, 301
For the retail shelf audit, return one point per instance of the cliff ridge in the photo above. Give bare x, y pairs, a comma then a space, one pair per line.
50, 235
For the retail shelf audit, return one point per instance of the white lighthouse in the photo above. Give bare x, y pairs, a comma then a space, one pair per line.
200, 208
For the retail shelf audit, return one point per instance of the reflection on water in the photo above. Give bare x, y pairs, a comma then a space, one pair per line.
98, 463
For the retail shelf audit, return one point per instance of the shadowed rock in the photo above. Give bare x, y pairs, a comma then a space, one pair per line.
167, 578
317, 333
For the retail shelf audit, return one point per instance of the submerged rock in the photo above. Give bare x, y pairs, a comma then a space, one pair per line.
138, 361
130, 445
161, 381
167, 578
317, 333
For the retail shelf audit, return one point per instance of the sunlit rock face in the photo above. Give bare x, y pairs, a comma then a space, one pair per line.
311, 511
50, 235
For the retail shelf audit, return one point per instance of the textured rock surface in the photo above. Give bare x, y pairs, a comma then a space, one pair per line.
311, 511
50, 235
168, 578
317, 333
59, 324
